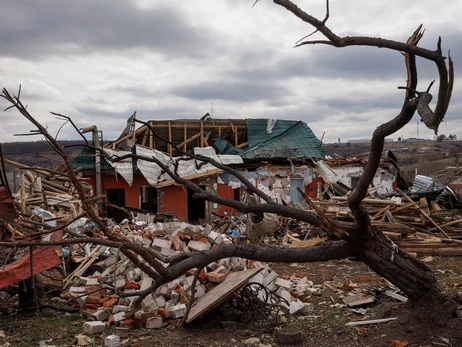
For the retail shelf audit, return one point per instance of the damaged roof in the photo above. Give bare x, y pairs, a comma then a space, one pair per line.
281, 138
248, 138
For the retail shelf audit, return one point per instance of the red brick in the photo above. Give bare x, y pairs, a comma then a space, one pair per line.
91, 306
216, 277
162, 312
127, 323
110, 302
92, 300
202, 276
131, 285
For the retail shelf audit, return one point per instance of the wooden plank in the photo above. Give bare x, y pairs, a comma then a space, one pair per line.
372, 321
192, 138
202, 135
152, 144
170, 149
185, 135
307, 243
369, 201
221, 293
190, 177
44, 258
423, 213
145, 137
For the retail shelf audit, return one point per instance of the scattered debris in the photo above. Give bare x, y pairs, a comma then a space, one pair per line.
372, 321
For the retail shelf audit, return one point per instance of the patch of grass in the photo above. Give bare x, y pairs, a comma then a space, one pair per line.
24, 330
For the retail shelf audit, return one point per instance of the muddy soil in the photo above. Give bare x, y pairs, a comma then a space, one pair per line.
228, 326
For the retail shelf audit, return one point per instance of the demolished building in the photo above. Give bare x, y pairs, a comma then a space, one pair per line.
278, 156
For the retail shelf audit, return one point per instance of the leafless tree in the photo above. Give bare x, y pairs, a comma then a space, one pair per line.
362, 239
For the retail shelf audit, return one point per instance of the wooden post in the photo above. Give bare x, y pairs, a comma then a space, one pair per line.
423, 213
170, 149
152, 144
202, 135
185, 137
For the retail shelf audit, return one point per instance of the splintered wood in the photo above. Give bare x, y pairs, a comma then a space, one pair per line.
45, 196
417, 227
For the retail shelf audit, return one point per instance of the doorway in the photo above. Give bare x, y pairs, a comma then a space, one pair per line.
196, 207
148, 199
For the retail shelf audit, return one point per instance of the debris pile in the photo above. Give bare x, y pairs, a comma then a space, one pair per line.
45, 197
109, 293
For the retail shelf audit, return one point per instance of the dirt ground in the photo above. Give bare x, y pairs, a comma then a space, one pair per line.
227, 326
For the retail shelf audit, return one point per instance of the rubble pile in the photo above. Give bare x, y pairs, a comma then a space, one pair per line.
418, 225
106, 294
45, 196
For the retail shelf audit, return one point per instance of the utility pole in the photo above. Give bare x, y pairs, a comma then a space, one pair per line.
97, 144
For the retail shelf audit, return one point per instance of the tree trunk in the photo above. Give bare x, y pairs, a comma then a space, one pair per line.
409, 274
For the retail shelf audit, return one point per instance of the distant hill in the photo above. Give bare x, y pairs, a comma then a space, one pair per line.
425, 156
38, 153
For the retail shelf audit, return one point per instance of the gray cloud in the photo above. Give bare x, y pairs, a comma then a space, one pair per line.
32, 28
238, 91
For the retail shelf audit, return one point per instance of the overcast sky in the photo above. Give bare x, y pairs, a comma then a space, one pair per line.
98, 61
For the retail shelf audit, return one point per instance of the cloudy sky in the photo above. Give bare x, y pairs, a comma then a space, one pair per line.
98, 61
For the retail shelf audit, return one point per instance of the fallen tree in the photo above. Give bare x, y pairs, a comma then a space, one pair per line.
361, 239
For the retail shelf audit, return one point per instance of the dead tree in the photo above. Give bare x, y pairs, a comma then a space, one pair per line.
361, 239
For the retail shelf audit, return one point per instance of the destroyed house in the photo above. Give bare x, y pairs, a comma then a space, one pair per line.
243, 143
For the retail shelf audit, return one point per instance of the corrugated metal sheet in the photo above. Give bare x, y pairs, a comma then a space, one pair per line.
124, 167
151, 171
287, 139
425, 184
185, 166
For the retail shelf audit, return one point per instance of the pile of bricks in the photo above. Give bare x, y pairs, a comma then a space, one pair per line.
99, 294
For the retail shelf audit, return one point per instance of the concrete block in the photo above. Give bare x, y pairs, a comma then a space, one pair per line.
211, 236
77, 290
307, 308
147, 242
159, 243
258, 278
168, 252
212, 266
179, 310
101, 315
109, 261
164, 290
198, 246
154, 323
119, 316
295, 306
220, 239
169, 308
112, 341
188, 281
149, 304
206, 229
216, 277
160, 301
282, 283
175, 297
285, 295
146, 283
119, 282
131, 275
221, 269
270, 278
92, 282
119, 308
93, 327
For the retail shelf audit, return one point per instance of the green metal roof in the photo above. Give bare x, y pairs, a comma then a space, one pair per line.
289, 139
86, 160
